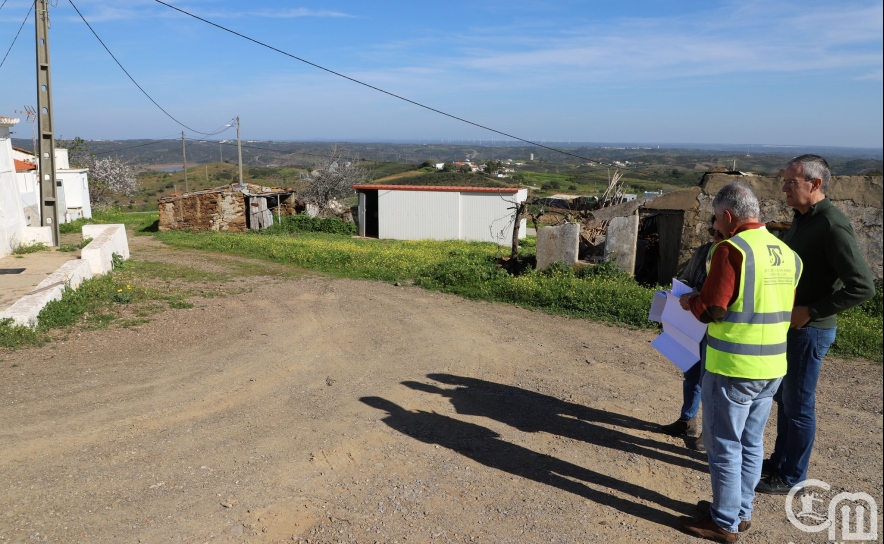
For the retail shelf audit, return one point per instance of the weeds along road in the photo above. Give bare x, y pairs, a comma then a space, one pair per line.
301, 408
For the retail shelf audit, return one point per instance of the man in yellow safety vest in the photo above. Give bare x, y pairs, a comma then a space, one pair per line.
747, 301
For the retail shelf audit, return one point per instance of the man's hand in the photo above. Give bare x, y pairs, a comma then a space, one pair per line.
800, 317
685, 302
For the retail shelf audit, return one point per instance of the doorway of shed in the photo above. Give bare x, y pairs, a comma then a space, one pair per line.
657, 247
368, 214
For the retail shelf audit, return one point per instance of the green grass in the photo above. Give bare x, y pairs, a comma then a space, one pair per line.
69, 248
24, 249
15, 336
304, 223
860, 329
140, 222
127, 296
467, 269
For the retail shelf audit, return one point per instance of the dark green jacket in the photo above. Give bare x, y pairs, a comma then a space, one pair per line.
835, 276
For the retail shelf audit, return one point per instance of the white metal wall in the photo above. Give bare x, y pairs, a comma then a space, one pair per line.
418, 215
447, 215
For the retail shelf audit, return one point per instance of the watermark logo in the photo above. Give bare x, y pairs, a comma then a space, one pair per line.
857, 512
776, 255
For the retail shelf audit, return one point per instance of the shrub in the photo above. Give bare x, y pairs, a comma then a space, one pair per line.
304, 223
24, 249
14, 336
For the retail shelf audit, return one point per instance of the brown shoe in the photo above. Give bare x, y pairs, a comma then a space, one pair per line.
704, 527
696, 444
704, 506
681, 427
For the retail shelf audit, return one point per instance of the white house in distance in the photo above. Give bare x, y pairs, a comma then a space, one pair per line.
415, 212
72, 192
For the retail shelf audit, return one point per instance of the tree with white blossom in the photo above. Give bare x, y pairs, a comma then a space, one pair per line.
109, 178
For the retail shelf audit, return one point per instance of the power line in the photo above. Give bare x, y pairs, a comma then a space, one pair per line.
169, 115
3, 4
17, 33
366, 84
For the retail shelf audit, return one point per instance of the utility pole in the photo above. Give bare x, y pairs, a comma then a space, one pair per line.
46, 143
239, 148
184, 153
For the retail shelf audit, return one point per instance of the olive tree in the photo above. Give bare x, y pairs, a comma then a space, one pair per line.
332, 178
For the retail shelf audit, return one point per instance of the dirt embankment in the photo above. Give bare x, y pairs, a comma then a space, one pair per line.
319, 410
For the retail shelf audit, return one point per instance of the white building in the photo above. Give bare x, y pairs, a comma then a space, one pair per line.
412, 212
14, 230
72, 192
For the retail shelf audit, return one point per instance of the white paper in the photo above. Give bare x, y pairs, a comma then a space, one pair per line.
682, 319
682, 332
675, 352
656, 313
679, 288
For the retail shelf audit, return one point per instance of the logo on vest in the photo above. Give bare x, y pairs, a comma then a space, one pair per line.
776, 255
864, 526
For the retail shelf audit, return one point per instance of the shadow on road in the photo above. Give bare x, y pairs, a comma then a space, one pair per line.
486, 447
531, 412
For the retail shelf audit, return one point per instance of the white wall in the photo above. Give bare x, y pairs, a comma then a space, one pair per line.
448, 215
418, 215
75, 188
72, 194
486, 217
12, 217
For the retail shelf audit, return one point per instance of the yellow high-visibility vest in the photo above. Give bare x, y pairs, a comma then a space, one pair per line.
750, 340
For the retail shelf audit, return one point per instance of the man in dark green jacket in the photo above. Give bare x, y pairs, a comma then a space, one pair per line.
835, 278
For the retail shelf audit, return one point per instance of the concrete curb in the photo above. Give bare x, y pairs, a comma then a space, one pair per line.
106, 240
25, 310
96, 259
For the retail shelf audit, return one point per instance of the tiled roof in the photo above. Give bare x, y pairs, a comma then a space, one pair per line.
24, 166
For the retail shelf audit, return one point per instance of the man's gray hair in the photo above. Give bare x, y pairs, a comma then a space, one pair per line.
737, 198
814, 167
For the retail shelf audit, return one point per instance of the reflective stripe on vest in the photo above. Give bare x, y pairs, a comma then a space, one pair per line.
750, 340
746, 349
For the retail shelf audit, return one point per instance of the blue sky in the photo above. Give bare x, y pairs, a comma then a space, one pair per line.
772, 72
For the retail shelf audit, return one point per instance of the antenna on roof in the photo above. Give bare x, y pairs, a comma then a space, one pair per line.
31, 116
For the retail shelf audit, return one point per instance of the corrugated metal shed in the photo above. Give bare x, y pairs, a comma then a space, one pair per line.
412, 212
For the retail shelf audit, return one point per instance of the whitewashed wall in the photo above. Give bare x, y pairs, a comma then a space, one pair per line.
447, 215
75, 186
12, 217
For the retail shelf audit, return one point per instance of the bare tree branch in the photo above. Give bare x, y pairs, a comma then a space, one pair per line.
332, 178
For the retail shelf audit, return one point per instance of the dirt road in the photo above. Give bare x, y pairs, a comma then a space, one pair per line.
310, 409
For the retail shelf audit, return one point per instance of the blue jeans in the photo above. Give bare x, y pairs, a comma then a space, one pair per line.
796, 402
735, 411
690, 387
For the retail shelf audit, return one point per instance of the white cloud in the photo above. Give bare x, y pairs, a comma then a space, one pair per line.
748, 39
141, 9
872, 76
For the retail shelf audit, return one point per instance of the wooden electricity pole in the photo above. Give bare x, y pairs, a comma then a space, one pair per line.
184, 153
46, 141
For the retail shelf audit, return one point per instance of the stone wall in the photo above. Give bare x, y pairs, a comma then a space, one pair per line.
220, 211
860, 198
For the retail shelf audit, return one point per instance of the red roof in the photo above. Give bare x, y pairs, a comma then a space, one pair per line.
444, 188
24, 166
